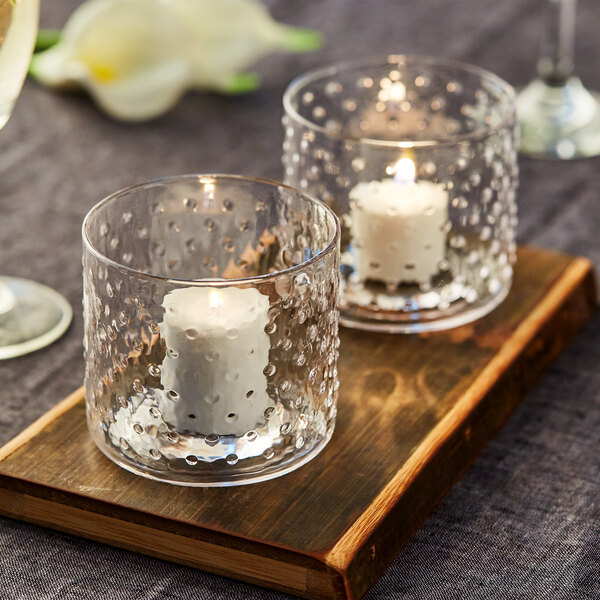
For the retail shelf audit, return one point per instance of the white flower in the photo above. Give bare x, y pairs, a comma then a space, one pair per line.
137, 57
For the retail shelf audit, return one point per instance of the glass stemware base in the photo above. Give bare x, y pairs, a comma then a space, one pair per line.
32, 316
559, 122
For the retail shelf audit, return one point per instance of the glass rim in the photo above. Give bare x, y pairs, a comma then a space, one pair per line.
207, 282
296, 85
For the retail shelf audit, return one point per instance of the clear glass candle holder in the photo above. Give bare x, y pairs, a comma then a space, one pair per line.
211, 328
417, 156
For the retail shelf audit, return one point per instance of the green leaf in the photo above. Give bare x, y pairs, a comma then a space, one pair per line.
46, 38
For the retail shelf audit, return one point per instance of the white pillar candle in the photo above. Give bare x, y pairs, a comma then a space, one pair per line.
398, 227
217, 350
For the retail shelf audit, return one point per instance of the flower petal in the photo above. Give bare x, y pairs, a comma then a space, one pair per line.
230, 35
56, 68
110, 39
143, 95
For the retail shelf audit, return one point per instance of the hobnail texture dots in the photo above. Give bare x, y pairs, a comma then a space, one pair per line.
431, 261
175, 399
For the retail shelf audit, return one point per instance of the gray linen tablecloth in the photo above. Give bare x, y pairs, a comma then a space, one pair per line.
524, 520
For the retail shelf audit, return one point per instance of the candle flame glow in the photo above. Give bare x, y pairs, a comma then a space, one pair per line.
404, 171
209, 194
396, 92
214, 300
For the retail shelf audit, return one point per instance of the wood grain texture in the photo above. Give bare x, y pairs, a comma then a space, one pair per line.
414, 411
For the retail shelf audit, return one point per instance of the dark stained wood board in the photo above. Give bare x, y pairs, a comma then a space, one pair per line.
414, 411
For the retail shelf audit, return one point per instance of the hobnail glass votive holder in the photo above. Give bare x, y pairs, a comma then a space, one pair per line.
417, 156
211, 328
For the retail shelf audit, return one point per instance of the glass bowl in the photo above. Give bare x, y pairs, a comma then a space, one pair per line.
211, 328
417, 156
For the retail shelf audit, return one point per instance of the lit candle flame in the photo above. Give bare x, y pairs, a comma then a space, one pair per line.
404, 171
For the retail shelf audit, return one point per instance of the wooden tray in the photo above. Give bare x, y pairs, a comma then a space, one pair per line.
414, 411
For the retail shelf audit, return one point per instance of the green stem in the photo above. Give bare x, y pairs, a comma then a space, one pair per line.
299, 39
242, 83
46, 38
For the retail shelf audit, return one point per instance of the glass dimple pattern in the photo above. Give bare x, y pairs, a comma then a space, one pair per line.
256, 399
347, 127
